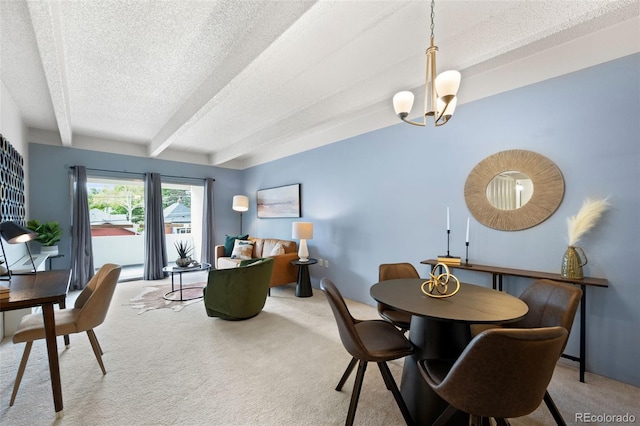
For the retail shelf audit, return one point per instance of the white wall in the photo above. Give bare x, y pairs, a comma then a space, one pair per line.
15, 131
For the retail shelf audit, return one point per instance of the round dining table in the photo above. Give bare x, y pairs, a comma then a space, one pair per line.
440, 329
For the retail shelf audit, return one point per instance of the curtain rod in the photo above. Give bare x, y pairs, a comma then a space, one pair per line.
139, 173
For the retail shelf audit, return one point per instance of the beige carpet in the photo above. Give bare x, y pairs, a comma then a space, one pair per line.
279, 368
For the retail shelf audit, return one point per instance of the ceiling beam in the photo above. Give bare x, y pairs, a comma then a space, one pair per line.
45, 19
241, 55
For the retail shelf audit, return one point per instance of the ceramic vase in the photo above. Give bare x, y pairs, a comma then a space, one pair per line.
572, 263
183, 262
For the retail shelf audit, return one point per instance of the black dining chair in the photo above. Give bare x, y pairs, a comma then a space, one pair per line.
393, 271
367, 341
502, 373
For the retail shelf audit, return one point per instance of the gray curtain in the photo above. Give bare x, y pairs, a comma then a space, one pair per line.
155, 250
208, 222
81, 250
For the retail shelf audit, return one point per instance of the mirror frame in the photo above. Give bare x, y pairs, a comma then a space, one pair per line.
548, 190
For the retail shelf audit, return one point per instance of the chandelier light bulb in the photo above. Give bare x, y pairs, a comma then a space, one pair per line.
450, 108
403, 102
448, 83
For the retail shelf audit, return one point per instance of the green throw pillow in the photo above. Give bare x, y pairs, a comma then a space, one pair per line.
230, 241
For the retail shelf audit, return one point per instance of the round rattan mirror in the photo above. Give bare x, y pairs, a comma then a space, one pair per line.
546, 180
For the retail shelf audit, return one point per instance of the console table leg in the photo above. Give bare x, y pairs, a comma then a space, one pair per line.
583, 337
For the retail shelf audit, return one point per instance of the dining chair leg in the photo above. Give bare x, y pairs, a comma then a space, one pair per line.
96, 349
391, 385
355, 395
502, 422
445, 416
384, 376
346, 374
23, 365
553, 409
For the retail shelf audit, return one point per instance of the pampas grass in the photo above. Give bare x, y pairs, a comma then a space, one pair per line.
586, 218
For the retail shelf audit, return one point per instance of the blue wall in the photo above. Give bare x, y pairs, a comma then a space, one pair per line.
381, 197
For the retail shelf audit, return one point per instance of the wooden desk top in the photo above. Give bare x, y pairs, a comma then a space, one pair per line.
600, 282
36, 289
472, 304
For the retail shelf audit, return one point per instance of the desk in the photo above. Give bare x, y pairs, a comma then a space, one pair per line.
498, 272
440, 330
43, 289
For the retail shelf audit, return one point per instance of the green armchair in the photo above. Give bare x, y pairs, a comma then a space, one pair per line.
238, 293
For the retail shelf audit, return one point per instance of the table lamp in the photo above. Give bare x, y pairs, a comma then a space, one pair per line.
240, 204
15, 234
303, 231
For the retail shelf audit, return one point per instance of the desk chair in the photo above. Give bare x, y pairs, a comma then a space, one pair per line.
394, 271
502, 373
89, 311
373, 340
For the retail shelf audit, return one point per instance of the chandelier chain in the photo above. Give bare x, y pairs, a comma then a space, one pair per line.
433, 15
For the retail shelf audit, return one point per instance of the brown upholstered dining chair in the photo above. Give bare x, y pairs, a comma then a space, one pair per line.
89, 311
503, 373
371, 340
393, 271
551, 303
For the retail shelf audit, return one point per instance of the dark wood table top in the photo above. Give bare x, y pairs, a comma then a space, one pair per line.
36, 289
472, 304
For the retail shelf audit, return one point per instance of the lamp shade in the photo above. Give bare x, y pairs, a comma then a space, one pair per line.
14, 233
240, 203
402, 102
448, 83
450, 108
302, 230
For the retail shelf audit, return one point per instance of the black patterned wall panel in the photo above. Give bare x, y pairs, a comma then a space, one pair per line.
11, 184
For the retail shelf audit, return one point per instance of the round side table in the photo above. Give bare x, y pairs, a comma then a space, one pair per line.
303, 287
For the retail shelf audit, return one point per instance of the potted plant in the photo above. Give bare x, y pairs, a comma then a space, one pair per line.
49, 234
184, 253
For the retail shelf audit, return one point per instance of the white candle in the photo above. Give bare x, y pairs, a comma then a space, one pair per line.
448, 227
467, 229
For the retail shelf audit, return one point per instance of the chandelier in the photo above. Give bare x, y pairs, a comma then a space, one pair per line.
439, 92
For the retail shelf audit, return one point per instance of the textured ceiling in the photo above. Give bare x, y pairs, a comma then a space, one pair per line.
238, 83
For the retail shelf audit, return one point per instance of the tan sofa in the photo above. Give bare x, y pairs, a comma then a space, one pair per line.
283, 271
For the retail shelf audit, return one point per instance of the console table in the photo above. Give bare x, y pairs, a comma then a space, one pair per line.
498, 272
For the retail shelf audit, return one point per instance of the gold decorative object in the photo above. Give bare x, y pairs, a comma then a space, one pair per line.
548, 190
438, 285
578, 225
572, 263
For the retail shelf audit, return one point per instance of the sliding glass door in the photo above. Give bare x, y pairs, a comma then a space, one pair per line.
116, 208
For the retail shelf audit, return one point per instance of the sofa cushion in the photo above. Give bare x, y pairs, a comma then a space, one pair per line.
230, 241
268, 244
242, 249
227, 262
277, 250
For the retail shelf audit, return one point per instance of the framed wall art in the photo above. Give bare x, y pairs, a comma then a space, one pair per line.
283, 201
12, 199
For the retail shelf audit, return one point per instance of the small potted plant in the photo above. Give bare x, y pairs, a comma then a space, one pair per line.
184, 254
49, 234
